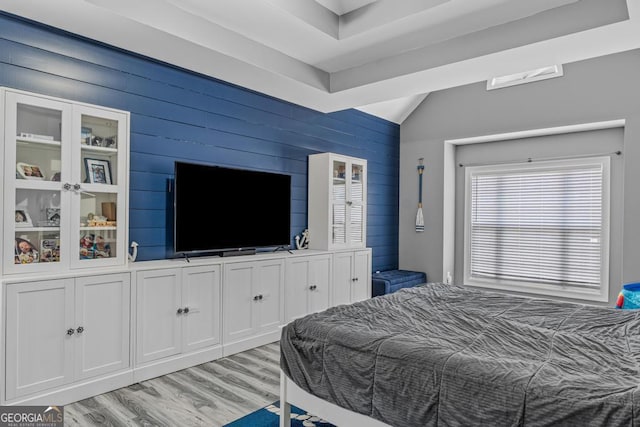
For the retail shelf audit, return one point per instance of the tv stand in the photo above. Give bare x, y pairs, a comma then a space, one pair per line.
238, 252
282, 248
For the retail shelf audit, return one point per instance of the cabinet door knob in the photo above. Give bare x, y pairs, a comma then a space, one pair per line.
76, 187
356, 279
80, 329
180, 310
186, 310
256, 298
353, 279
71, 331
66, 186
313, 287
261, 296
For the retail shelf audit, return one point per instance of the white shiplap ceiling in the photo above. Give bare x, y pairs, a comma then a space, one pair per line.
382, 56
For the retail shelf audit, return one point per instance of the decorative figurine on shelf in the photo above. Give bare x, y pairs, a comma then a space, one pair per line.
110, 142
101, 249
302, 241
86, 247
25, 252
50, 250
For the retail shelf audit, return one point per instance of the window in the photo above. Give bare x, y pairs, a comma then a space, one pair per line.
539, 227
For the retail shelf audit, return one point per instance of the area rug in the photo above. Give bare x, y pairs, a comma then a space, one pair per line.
269, 416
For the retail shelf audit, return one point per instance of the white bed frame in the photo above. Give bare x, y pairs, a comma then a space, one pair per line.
291, 394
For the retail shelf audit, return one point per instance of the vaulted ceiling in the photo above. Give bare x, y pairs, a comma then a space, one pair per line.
382, 56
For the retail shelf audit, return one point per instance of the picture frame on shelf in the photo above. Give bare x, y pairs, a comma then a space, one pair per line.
85, 135
53, 216
22, 218
27, 171
86, 249
25, 252
98, 171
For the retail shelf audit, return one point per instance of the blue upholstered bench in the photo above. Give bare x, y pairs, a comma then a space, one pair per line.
386, 282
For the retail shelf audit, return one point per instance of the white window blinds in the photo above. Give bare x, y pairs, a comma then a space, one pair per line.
543, 223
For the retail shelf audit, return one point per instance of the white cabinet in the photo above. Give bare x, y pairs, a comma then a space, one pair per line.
201, 295
65, 330
178, 311
351, 276
65, 178
337, 202
307, 285
158, 298
253, 303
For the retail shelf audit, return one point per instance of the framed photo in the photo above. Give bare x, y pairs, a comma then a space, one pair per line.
26, 171
85, 135
87, 250
22, 218
98, 171
53, 216
25, 252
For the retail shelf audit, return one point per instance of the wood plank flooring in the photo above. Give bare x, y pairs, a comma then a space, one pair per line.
211, 394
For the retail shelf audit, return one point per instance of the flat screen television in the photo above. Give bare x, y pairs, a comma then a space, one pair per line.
219, 209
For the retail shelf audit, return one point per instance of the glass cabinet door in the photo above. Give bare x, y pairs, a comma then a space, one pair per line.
36, 144
348, 203
339, 203
65, 178
98, 228
356, 204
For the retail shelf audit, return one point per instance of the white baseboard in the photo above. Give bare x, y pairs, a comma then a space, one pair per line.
175, 363
249, 343
77, 391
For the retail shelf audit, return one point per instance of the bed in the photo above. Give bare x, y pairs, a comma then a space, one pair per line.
445, 355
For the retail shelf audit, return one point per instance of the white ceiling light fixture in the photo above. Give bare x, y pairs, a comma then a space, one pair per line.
525, 77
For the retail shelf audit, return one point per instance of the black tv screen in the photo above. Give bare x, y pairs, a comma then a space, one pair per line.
220, 209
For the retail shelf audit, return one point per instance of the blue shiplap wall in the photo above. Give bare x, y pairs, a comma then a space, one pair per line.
176, 114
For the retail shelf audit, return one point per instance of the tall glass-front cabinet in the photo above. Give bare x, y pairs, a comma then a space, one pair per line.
65, 178
337, 208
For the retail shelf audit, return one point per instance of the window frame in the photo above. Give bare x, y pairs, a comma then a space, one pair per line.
601, 293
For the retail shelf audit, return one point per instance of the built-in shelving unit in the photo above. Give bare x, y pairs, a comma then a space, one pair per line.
78, 319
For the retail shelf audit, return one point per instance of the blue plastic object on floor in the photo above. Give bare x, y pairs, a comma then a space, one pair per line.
629, 297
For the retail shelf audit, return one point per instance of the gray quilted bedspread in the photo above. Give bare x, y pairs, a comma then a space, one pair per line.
439, 355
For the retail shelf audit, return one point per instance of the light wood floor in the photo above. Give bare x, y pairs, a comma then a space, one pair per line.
211, 394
